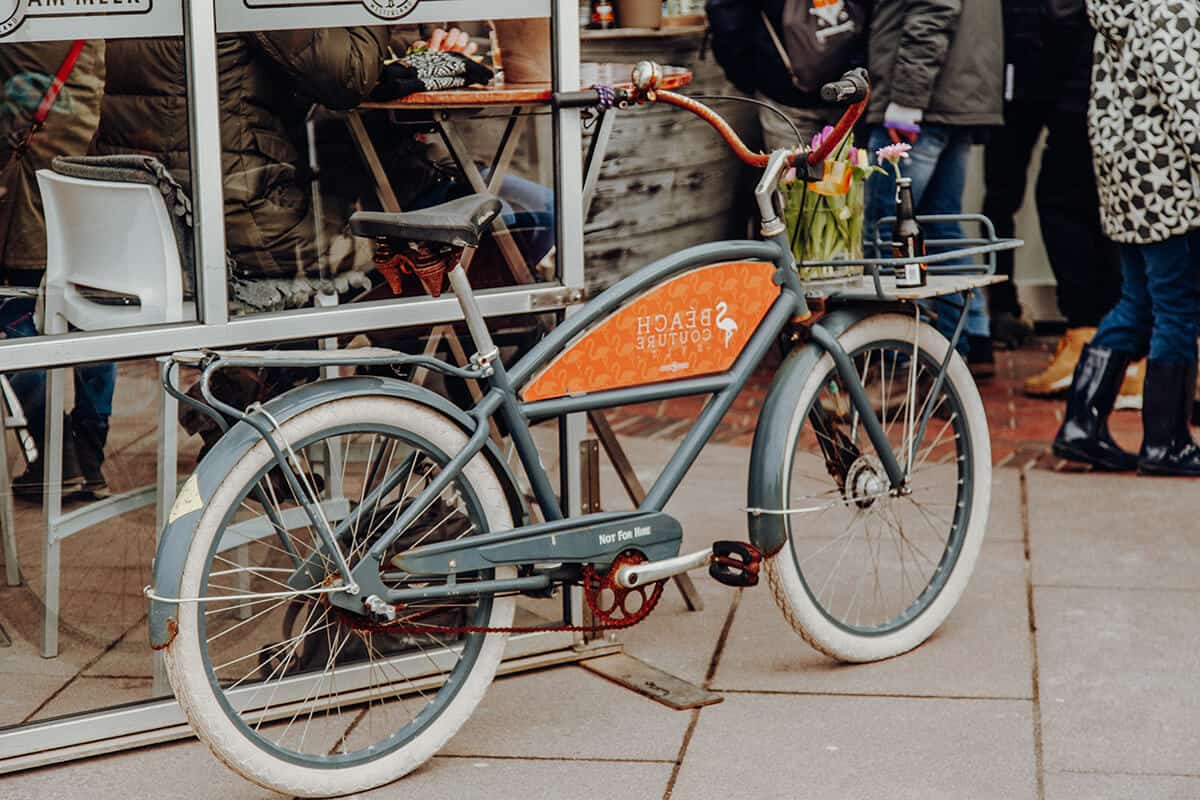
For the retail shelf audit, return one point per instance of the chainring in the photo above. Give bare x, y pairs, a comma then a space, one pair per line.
613, 605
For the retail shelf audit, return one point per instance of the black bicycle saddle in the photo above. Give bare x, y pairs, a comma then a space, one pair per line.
460, 222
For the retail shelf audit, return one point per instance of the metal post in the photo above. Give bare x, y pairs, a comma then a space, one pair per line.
568, 220
8, 525
166, 479
204, 129
52, 455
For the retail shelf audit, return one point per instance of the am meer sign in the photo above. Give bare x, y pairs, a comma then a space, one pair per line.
51, 20
45, 20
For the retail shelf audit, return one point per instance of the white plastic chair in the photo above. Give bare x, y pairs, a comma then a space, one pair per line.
116, 237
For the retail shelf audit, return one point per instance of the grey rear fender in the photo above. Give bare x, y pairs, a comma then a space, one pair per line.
768, 532
217, 463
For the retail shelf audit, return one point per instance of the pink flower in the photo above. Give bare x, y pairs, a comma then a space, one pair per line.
893, 152
820, 137
789, 176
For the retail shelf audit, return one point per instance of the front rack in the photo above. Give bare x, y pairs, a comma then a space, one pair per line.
944, 277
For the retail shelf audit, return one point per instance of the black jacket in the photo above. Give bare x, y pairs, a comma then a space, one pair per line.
945, 57
745, 51
1048, 48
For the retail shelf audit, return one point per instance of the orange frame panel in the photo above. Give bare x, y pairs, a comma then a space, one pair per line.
696, 323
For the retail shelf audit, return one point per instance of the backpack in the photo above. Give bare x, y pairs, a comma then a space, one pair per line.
820, 39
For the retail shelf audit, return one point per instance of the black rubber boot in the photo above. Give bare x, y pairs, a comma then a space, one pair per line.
1084, 433
29, 485
90, 435
1167, 445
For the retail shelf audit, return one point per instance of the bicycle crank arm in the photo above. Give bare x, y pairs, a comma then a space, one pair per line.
730, 563
650, 571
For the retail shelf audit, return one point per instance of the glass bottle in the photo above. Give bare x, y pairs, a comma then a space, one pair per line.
603, 15
908, 239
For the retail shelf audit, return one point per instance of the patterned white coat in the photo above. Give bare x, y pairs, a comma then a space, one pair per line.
1144, 117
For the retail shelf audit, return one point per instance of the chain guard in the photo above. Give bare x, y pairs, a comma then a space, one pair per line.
614, 607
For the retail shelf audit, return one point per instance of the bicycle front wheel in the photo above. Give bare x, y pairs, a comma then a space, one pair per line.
869, 572
291, 691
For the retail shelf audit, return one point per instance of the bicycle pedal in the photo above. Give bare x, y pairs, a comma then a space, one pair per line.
735, 563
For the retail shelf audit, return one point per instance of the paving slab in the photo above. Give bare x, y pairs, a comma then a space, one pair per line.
1111, 530
1004, 518
493, 779
791, 748
1117, 672
569, 713
1107, 786
982, 650
17, 705
182, 771
81, 694
679, 641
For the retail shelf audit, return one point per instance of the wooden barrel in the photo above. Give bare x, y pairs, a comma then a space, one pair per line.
669, 181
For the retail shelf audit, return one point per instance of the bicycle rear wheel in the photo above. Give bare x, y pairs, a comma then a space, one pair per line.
869, 573
292, 692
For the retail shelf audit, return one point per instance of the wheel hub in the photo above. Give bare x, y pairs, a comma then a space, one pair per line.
865, 482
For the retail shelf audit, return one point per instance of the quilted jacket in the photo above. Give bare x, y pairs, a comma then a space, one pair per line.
266, 81
1144, 117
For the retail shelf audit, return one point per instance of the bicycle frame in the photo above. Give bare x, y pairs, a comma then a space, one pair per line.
503, 398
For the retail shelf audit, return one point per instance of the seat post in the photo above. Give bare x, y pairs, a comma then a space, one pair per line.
485, 347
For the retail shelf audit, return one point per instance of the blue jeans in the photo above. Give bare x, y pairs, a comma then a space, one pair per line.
1159, 310
94, 384
528, 211
937, 165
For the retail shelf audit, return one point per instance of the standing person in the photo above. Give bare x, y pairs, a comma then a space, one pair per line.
1048, 62
1144, 125
937, 74
768, 49
26, 71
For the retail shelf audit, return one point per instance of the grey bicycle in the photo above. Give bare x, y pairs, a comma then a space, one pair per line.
338, 578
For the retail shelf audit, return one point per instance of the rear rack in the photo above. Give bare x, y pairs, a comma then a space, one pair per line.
877, 283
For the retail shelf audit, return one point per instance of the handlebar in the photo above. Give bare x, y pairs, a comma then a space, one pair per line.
853, 88
591, 98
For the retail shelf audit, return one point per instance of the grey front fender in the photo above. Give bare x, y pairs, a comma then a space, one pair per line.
768, 532
200, 487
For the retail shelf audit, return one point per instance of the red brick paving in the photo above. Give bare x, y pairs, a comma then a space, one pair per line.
1021, 427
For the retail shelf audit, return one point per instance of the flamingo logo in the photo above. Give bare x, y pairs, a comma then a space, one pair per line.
725, 323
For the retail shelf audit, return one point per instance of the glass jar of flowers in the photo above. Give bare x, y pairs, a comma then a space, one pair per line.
825, 218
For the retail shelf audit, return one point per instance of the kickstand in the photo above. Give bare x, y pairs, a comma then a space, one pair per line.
633, 487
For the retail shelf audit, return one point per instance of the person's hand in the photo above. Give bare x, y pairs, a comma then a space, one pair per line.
902, 121
449, 41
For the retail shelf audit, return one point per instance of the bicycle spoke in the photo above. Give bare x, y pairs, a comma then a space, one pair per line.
890, 546
334, 684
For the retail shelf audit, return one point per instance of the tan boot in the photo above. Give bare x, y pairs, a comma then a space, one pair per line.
1130, 396
1056, 377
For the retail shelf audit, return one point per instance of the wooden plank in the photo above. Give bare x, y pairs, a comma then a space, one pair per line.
610, 258
648, 680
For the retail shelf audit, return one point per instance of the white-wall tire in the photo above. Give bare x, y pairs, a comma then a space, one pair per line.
186, 665
793, 595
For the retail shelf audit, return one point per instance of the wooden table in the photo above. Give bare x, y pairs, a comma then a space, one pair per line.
451, 106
